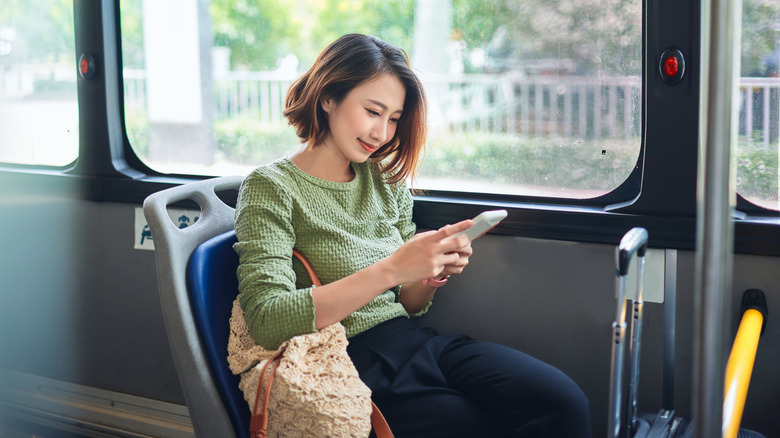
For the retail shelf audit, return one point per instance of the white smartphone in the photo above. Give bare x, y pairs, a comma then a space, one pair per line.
483, 223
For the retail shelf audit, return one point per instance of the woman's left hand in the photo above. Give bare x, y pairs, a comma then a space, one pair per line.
456, 268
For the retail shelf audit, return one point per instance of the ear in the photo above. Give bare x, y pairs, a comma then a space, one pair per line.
328, 104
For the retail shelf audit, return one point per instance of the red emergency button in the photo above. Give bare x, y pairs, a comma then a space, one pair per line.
84, 66
87, 66
671, 66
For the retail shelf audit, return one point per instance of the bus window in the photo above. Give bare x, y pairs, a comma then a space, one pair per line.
536, 97
38, 103
759, 104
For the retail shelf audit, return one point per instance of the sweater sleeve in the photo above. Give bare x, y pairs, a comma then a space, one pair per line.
407, 228
274, 309
405, 202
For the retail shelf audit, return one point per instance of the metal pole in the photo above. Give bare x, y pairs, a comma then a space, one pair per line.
636, 345
720, 62
618, 358
670, 327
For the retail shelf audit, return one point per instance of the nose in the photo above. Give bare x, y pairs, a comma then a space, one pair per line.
379, 132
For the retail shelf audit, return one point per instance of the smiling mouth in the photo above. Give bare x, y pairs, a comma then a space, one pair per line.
367, 146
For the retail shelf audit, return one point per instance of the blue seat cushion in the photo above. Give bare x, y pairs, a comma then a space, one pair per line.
213, 285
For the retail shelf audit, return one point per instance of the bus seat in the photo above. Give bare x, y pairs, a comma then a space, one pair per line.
213, 400
213, 286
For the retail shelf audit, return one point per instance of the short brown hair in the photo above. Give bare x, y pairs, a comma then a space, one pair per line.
346, 63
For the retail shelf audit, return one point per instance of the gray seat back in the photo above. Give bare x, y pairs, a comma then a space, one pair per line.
173, 247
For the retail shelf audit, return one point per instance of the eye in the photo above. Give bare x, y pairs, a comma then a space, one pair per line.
394, 121
372, 112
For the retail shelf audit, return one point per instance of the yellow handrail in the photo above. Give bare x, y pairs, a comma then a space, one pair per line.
738, 370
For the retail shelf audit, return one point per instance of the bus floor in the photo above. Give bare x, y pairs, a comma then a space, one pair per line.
10, 428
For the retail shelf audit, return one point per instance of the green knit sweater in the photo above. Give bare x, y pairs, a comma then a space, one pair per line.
340, 228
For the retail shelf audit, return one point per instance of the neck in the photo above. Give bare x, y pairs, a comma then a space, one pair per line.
319, 161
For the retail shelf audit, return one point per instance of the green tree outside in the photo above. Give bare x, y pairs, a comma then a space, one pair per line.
760, 36
43, 30
258, 32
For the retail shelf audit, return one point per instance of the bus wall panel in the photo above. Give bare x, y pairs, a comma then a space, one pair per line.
80, 304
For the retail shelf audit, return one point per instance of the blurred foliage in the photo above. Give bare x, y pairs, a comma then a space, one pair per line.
392, 21
40, 32
593, 35
259, 32
249, 141
132, 33
757, 171
507, 158
137, 129
547, 161
473, 156
760, 38
597, 33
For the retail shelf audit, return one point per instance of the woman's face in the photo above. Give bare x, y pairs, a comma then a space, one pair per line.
366, 119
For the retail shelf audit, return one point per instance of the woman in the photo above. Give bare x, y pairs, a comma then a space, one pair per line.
341, 201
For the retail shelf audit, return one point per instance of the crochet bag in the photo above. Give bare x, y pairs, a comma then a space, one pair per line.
312, 390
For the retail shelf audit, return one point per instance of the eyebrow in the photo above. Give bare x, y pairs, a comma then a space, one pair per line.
384, 107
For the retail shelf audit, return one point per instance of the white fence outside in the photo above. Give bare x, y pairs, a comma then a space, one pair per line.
593, 107
578, 106
494, 103
588, 107
759, 114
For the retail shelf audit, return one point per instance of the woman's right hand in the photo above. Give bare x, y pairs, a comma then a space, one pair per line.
425, 254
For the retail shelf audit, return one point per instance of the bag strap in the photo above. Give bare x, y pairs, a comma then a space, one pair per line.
378, 422
309, 270
259, 422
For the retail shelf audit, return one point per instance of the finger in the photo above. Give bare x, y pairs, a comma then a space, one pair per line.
455, 244
453, 270
466, 250
448, 230
461, 263
449, 259
423, 234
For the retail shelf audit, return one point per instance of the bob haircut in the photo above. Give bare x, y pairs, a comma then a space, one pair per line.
346, 63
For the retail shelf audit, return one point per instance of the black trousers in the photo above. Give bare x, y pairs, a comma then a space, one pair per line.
430, 385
